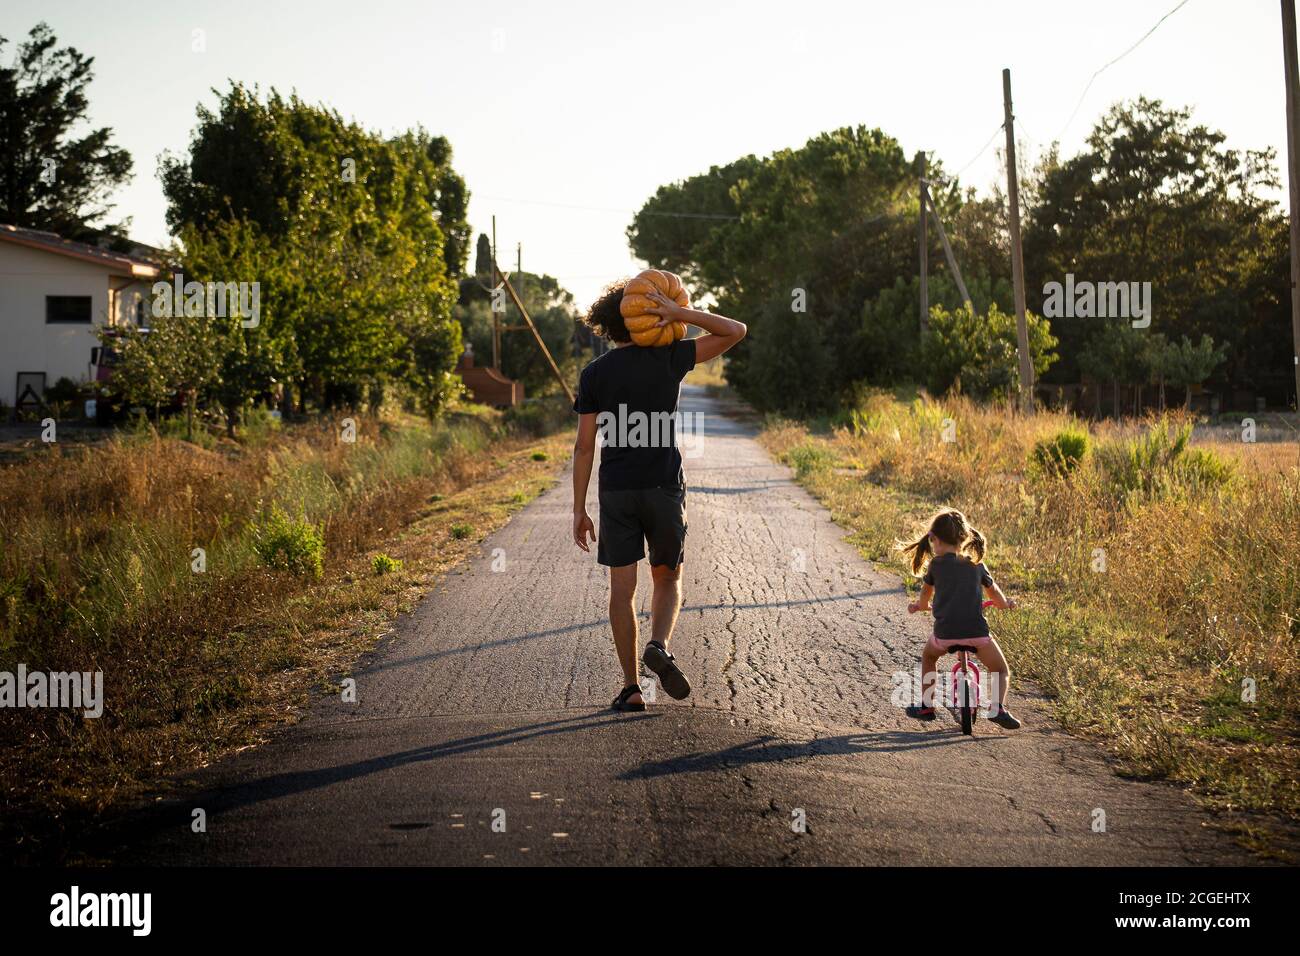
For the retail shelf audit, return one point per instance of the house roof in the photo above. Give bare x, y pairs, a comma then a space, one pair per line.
50, 242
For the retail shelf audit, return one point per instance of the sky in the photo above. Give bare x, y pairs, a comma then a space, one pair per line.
564, 117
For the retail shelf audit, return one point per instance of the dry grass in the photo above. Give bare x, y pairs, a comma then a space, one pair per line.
1200, 592
710, 374
96, 574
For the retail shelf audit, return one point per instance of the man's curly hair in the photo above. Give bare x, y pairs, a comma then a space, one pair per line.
604, 318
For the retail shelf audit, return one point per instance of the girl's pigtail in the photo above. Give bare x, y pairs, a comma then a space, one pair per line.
918, 552
975, 545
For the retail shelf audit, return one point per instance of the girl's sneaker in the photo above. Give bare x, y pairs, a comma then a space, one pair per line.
1004, 719
917, 712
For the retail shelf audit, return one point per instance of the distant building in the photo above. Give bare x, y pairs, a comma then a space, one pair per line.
53, 295
487, 385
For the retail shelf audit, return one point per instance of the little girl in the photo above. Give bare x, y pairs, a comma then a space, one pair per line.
952, 553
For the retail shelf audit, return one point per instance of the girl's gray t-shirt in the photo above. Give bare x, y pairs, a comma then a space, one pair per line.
958, 603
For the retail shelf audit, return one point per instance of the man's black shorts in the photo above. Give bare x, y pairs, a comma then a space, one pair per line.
630, 518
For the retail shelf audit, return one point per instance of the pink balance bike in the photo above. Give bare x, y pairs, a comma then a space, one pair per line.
966, 684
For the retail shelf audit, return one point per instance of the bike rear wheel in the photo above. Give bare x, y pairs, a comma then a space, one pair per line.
966, 695
967, 709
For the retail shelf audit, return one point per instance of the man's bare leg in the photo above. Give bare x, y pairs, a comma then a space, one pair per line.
665, 602
622, 621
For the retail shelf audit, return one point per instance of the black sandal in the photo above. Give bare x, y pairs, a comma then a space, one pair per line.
621, 703
671, 678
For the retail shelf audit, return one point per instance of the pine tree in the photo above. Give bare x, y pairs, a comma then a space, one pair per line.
48, 179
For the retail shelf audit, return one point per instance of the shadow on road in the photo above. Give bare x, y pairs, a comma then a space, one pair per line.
766, 485
602, 623
762, 750
273, 787
761, 605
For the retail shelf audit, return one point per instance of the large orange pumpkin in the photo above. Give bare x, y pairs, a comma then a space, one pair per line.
639, 322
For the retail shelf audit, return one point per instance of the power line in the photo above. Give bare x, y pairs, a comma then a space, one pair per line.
1113, 62
982, 150
563, 205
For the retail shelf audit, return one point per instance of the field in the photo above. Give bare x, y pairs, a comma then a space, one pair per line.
1159, 584
310, 543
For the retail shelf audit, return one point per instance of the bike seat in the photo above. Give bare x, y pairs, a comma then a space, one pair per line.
961, 647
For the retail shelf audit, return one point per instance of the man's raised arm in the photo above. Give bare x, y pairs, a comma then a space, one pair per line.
723, 332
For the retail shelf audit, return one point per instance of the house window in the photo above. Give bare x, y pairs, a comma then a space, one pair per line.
139, 311
67, 308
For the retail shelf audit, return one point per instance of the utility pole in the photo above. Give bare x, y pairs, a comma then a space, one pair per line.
1017, 256
947, 249
528, 323
922, 242
1293, 175
496, 316
519, 265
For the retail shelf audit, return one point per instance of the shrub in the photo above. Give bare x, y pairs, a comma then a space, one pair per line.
1159, 462
289, 545
1202, 469
65, 392
383, 564
539, 416
259, 424
978, 352
767, 367
540, 456
1062, 452
807, 458
461, 531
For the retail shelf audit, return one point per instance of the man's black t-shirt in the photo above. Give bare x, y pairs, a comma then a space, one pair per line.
633, 391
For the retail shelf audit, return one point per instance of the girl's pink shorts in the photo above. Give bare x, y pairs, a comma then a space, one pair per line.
944, 646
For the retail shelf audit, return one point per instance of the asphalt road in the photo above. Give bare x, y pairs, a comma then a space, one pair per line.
482, 736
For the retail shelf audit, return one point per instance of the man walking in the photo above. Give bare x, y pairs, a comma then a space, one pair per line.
642, 489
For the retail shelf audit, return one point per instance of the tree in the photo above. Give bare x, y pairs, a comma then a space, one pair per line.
1155, 197
1118, 354
428, 371
483, 258
813, 231
140, 374
792, 381
359, 239
1157, 367
50, 179
177, 358
190, 346
251, 360
1190, 363
977, 354
891, 338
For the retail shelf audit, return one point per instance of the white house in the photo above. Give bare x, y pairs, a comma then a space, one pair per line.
53, 293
